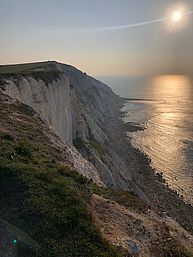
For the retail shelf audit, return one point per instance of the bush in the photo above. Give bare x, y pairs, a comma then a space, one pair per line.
23, 149
66, 171
7, 136
128, 199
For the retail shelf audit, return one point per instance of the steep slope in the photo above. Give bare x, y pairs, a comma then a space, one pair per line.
140, 232
48, 209
79, 109
44, 201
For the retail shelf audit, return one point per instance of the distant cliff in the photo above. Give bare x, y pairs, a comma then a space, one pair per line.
79, 109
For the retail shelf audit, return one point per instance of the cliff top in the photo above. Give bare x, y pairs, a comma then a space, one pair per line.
27, 67
46, 203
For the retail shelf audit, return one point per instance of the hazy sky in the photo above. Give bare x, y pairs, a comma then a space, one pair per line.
79, 32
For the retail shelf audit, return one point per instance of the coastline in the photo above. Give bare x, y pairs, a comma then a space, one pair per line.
163, 199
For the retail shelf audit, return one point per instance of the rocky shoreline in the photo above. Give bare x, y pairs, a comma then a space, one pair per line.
162, 198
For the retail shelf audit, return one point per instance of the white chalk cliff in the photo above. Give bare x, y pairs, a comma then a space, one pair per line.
79, 109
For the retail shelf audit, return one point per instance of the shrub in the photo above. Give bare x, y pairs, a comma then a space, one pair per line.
23, 149
7, 136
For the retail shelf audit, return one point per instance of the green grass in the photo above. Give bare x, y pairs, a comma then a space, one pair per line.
97, 146
19, 68
128, 199
46, 76
41, 197
80, 145
45, 202
47, 207
45, 71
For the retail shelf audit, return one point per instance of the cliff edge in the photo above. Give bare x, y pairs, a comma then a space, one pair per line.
64, 189
78, 108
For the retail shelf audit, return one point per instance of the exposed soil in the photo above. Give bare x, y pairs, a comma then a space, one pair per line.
140, 234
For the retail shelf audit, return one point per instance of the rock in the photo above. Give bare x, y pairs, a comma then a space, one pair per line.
133, 246
75, 105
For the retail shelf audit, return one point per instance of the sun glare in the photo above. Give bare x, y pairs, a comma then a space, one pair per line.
176, 17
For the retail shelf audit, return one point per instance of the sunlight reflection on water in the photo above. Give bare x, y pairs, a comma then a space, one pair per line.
168, 139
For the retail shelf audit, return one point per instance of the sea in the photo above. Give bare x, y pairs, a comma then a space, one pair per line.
163, 105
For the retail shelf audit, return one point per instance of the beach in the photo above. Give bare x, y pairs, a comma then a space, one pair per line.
162, 198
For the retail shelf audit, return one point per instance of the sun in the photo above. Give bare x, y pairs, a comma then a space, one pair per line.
177, 16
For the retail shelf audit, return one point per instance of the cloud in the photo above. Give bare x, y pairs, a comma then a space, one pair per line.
128, 26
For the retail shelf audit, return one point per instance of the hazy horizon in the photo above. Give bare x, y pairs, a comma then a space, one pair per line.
99, 37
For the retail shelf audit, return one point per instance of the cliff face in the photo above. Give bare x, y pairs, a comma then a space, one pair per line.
51, 102
44, 200
46, 204
67, 101
79, 109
